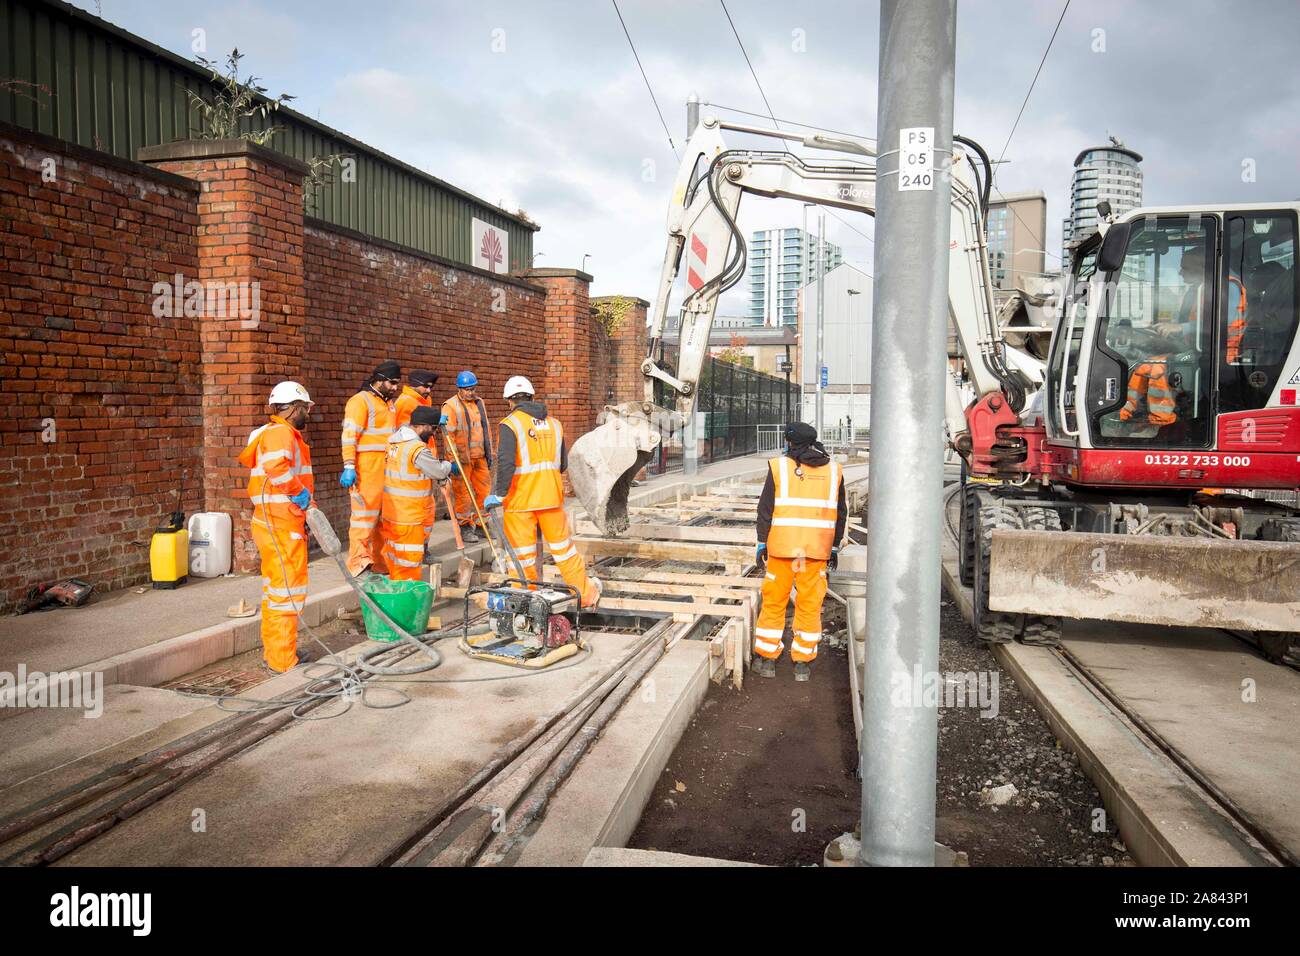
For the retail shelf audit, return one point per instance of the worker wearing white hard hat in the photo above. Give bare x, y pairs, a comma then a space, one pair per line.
528, 487
280, 485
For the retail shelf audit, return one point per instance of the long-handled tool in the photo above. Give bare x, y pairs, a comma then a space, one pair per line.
451, 446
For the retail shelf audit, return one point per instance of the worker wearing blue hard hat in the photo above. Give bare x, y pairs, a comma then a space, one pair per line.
465, 425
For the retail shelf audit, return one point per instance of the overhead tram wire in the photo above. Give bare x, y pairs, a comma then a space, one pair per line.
1016, 124
649, 89
745, 54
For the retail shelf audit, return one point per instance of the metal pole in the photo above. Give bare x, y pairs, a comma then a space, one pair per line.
692, 114
910, 317
821, 322
853, 370
690, 440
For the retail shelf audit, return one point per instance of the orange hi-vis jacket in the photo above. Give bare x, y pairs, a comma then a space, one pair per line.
406, 488
408, 402
367, 424
537, 483
1151, 379
805, 509
280, 467
1237, 327
467, 428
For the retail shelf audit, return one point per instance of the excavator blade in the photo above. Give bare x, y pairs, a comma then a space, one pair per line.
1148, 579
603, 462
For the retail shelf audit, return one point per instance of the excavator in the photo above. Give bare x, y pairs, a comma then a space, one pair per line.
1148, 472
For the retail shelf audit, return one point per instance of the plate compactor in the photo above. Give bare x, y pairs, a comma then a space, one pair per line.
531, 629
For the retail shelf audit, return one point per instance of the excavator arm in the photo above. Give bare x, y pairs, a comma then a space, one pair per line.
707, 248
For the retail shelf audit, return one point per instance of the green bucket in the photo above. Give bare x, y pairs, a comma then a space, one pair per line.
406, 602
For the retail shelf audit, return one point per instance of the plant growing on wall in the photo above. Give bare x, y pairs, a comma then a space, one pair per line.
319, 175
611, 311
233, 101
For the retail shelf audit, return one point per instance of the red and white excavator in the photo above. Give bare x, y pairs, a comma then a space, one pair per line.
1134, 483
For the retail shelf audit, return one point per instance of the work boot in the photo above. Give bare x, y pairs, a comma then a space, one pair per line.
802, 671
763, 666
469, 535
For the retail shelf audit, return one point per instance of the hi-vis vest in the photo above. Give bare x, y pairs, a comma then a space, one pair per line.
467, 427
367, 425
1237, 327
537, 483
1151, 380
406, 488
280, 467
805, 509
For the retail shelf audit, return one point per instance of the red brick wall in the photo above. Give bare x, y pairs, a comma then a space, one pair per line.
370, 301
81, 347
150, 413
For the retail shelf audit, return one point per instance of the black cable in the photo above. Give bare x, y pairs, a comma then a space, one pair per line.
986, 184
649, 90
1034, 81
745, 53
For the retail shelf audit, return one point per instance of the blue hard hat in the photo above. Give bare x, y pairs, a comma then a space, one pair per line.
466, 379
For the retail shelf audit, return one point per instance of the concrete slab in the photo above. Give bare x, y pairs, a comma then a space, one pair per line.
37, 741
622, 856
342, 791
601, 802
1163, 818
1232, 714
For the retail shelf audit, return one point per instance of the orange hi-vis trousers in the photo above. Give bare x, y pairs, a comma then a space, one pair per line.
365, 546
522, 528
480, 476
284, 588
403, 549
807, 578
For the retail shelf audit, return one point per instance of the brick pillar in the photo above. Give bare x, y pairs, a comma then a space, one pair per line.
629, 345
250, 243
566, 385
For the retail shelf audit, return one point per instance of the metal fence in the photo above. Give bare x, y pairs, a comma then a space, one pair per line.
69, 74
733, 405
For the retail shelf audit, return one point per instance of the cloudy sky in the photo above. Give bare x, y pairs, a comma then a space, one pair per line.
540, 106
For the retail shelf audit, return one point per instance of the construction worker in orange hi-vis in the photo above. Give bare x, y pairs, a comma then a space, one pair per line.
418, 393
367, 423
409, 474
465, 424
531, 457
280, 486
801, 519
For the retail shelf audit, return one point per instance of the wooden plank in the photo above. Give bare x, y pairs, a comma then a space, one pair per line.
678, 532
651, 606
635, 586
697, 552
677, 577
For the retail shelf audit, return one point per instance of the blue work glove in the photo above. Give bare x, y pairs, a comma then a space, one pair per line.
302, 499
442, 422
834, 561
349, 476
492, 501
455, 469
760, 555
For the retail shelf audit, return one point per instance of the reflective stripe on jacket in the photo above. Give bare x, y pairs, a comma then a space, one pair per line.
805, 509
537, 482
279, 464
406, 488
1150, 380
468, 428
367, 425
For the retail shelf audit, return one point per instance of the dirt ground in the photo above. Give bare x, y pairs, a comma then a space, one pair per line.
768, 774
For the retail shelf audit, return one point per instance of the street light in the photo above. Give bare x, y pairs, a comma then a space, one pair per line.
852, 368
585, 257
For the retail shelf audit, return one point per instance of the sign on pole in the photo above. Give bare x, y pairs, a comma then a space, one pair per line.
915, 158
491, 247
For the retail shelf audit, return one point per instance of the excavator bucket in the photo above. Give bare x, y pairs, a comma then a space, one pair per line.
603, 462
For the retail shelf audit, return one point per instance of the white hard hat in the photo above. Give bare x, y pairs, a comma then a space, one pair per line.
518, 384
286, 393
